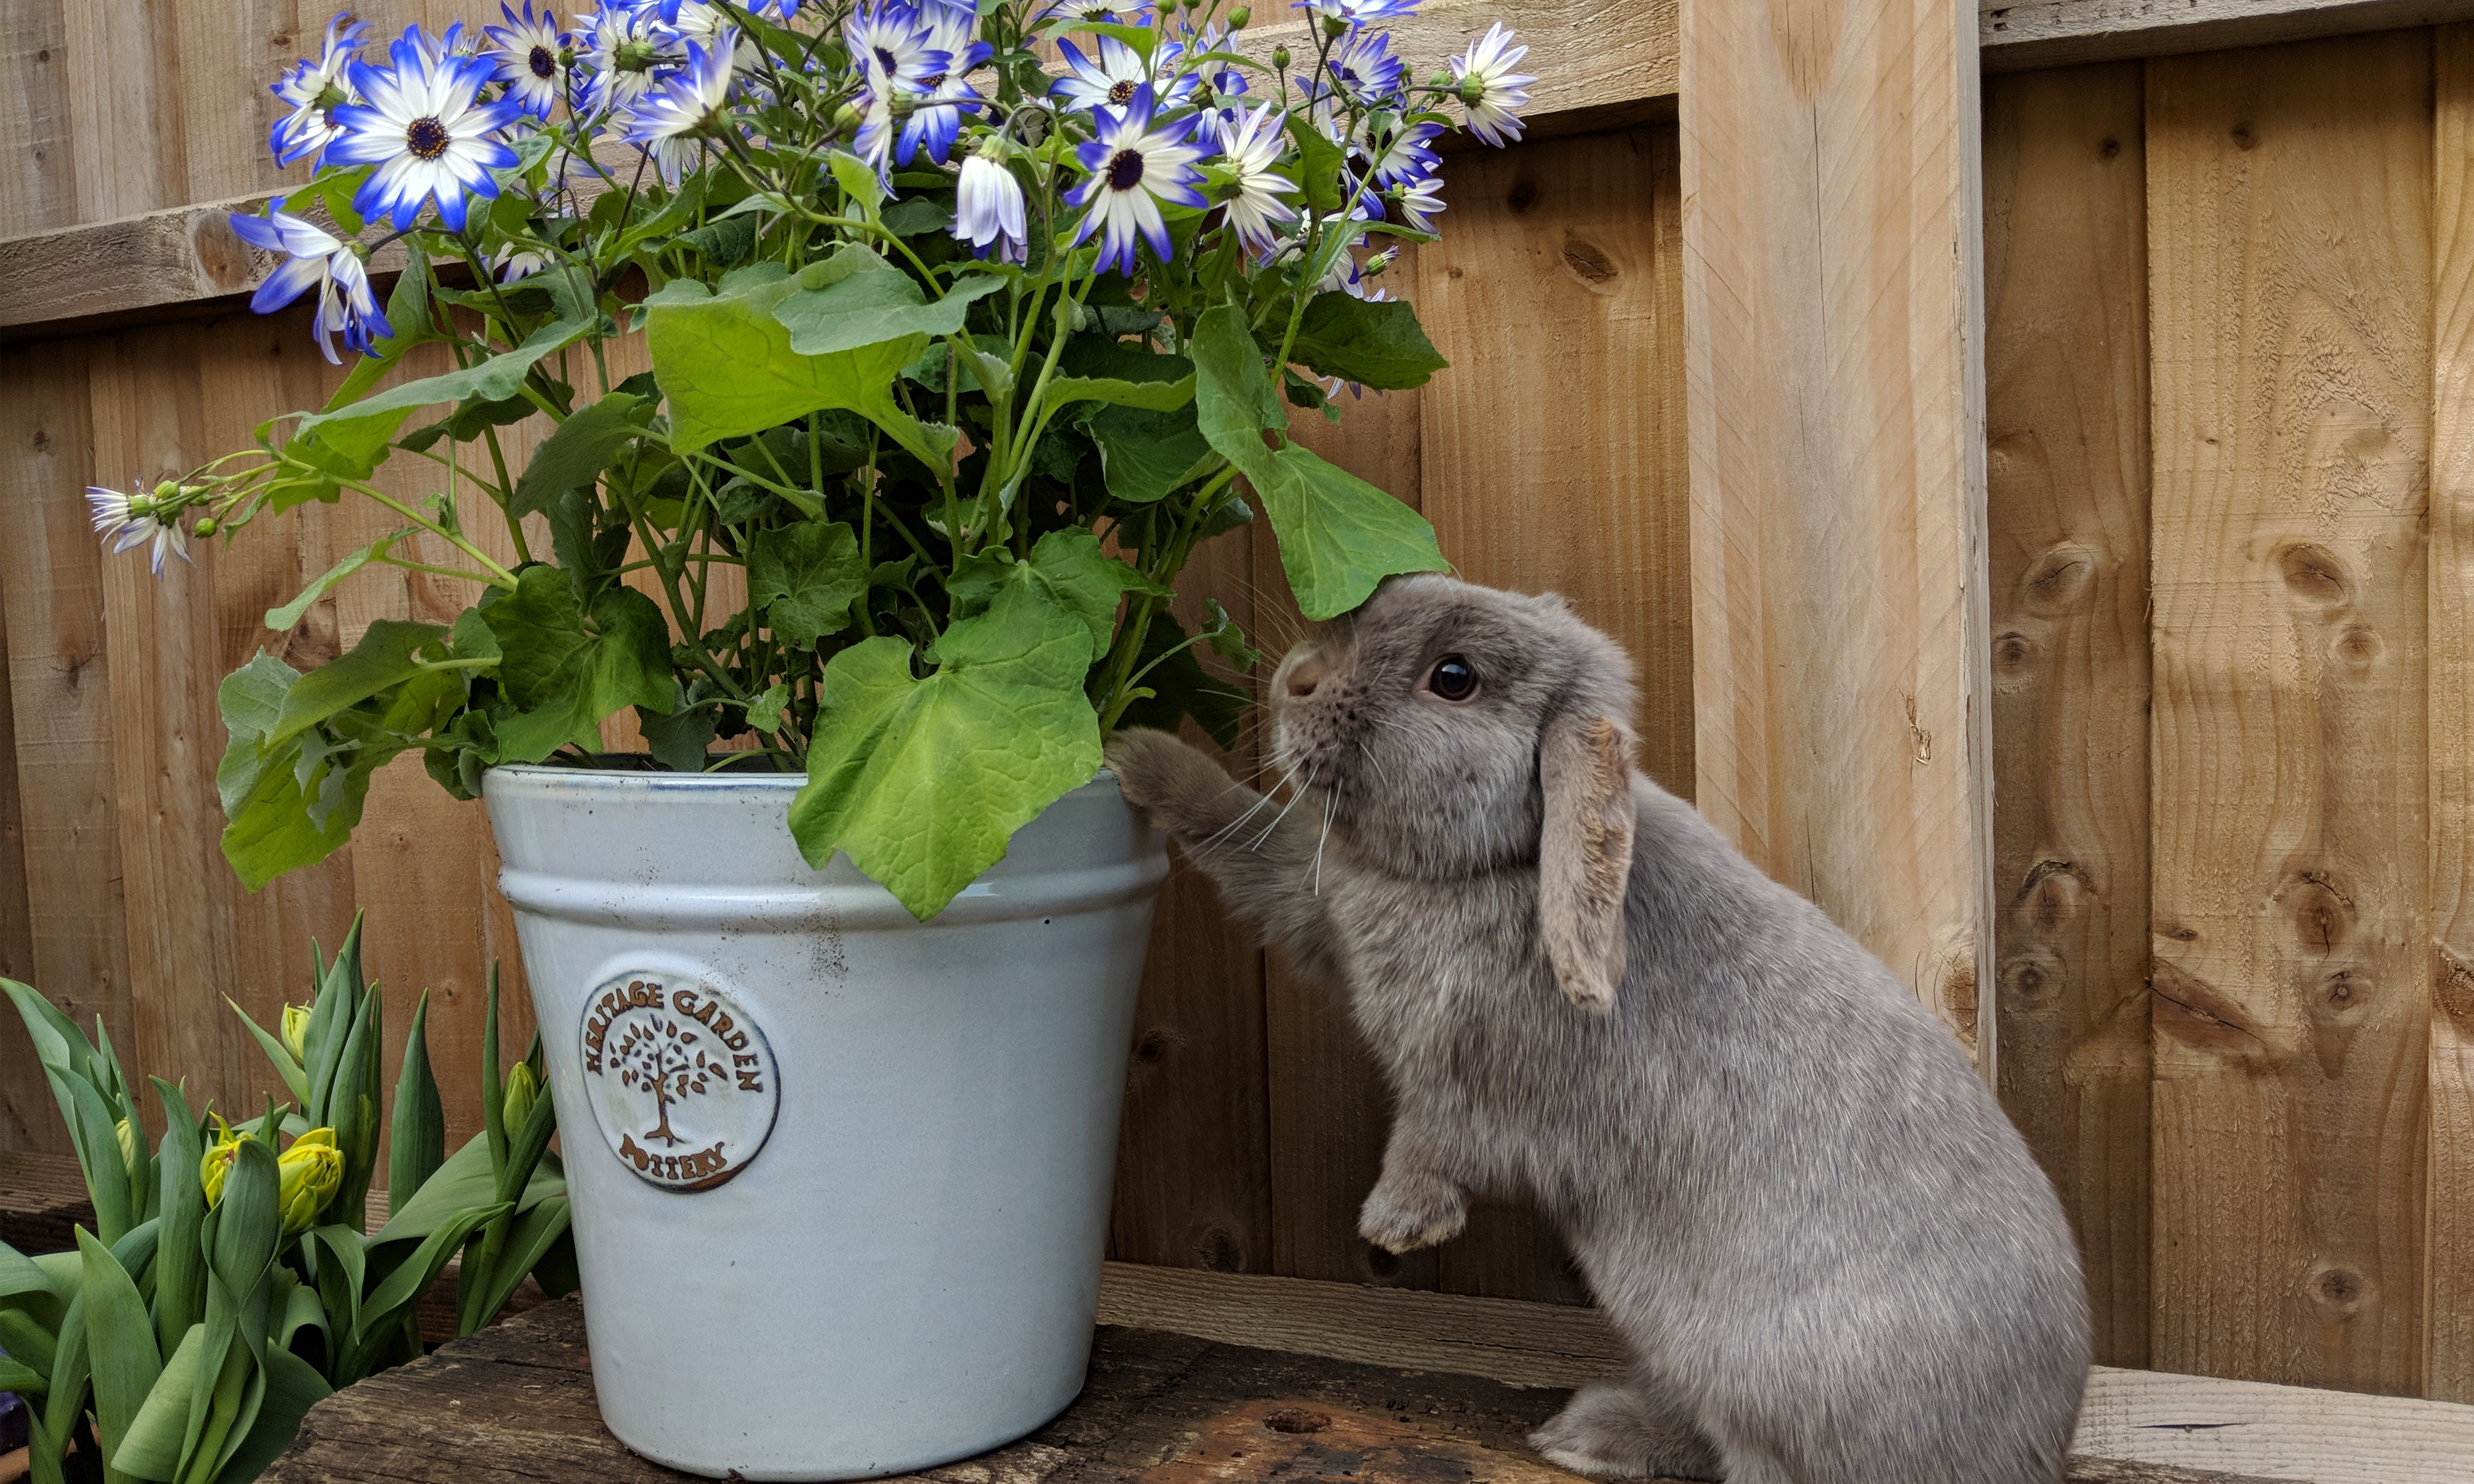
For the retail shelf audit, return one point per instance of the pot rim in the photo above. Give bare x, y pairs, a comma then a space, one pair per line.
647, 778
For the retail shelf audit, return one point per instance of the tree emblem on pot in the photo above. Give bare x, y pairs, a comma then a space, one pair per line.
680, 1077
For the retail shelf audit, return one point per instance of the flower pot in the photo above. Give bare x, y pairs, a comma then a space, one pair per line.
841, 1179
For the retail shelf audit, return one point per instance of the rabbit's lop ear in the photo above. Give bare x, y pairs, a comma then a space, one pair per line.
1584, 854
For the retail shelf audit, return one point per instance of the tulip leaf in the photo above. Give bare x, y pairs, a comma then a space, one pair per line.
412, 1277
292, 1387
418, 1144
150, 1446
121, 1340
29, 1344
922, 781
23, 1379
463, 1183
295, 1079
179, 1265
248, 1219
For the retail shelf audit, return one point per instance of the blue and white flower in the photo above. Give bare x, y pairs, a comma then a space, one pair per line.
312, 89
890, 43
619, 46
685, 102
527, 51
1249, 148
1419, 200
1363, 69
1489, 90
422, 124
315, 258
937, 116
1395, 156
1132, 166
1093, 13
1107, 80
513, 264
1357, 11
128, 520
987, 207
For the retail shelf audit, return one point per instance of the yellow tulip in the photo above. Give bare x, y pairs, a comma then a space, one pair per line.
296, 1031
311, 1172
127, 1142
523, 1089
218, 1160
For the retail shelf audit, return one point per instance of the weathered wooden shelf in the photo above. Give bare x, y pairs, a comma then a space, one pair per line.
516, 1403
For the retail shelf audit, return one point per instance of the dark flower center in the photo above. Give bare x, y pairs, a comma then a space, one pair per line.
426, 138
885, 60
543, 63
931, 84
1126, 171
1123, 93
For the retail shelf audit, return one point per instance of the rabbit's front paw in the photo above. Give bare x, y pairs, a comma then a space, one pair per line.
1407, 1211
1182, 791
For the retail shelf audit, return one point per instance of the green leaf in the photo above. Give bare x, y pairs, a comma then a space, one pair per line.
566, 667
725, 242
495, 379
387, 656
913, 216
1317, 169
293, 1386
463, 1183
21, 1377
121, 1341
866, 306
727, 368
1180, 687
1070, 571
295, 1080
179, 1264
1340, 536
577, 451
857, 181
248, 1219
412, 1279
1375, 344
1122, 375
681, 740
29, 1345
281, 619
805, 578
922, 781
1145, 455
1234, 401
150, 1446
418, 1142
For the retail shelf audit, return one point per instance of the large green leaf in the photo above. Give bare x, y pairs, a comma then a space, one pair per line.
1068, 568
1145, 455
120, 1340
284, 804
463, 1185
922, 781
417, 1143
179, 1265
293, 1386
575, 452
495, 379
805, 577
869, 303
150, 1446
565, 666
728, 369
1339, 535
1374, 345
388, 654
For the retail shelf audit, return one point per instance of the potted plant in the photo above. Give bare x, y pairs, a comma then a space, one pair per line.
959, 345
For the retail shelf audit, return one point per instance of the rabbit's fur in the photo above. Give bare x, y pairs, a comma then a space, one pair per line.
1829, 1254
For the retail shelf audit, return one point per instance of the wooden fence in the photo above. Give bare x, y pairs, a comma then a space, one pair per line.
2225, 354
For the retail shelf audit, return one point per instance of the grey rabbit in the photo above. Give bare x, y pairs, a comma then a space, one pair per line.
1831, 1256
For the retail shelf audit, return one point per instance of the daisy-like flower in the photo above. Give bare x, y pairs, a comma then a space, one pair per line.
890, 43
988, 208
512, 264
1090, 12
312, 89
128, 520
1249, 148
620, 44
686, 102
1133, 166
937, 115
1108, 79
1419, 200
1489, 90
526, 50
1362, 66
313, 258
1395, 155
1357, 11
427, 130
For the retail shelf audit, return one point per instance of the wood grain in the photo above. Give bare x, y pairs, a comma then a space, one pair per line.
2056, 33
2449, 1356
40, 191
59, 683
1833, 315
2275, 1432
2066, 409
2290, 283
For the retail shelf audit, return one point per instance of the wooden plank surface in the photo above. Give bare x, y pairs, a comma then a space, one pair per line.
2023, 34
2289, 272
2449, 1357
39, 189
1832, 317
2275, 1432
2066, 400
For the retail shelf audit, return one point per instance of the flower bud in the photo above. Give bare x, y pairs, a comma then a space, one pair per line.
1238, 17
1279, 58
1334, 27
205, 526
1472, 89
296, 1031
311, 1171
128, 1135
218, 1160
845, 118
523, 1089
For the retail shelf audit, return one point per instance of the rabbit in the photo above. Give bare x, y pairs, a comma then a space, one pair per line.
1829, 1254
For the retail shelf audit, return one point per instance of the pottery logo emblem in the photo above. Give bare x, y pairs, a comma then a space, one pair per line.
679, 1076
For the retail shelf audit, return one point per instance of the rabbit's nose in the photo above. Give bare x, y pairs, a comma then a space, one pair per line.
1303, 677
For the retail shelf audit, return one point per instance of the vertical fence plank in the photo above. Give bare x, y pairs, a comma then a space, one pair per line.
2289, 279
2066, 421
42, 191
1834, 382
60, 691
1329, 1110
2449, 1357
1552, 460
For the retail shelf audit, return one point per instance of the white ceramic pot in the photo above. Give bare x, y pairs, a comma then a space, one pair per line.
841, 1179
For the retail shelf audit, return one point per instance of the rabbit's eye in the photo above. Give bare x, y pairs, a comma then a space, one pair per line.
1453, 678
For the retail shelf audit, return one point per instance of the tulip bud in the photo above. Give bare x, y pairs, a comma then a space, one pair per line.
1279, 58
127, 1142
523, 1089
311, 1171
218, 1160
296, 1031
